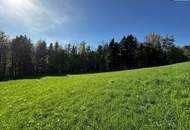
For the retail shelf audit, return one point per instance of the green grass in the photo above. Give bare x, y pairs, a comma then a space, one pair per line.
145, 99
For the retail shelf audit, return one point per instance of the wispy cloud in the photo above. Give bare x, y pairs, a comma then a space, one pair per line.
31, 14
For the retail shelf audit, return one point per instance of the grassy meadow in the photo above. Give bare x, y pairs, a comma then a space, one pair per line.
142, 99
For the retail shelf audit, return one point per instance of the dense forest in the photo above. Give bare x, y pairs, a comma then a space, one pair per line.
19, 57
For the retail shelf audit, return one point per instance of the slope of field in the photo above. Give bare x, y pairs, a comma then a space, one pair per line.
152, 98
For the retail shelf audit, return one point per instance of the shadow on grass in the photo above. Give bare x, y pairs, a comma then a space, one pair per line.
71, 73
45, 75
31, 77
61, 74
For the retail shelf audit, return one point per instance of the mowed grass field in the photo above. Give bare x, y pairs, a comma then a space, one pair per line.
143, 99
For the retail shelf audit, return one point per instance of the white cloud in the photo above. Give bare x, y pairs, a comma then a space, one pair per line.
32, 15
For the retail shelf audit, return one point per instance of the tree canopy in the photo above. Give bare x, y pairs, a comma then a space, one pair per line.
19, 57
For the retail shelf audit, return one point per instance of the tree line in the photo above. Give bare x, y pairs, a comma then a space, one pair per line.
19, 57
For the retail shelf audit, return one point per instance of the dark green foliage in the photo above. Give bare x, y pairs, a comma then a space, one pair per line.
172, 53
41, 55
56, 59
19, 58
113, 55
128, 52
51, 63
3, 54
186, 50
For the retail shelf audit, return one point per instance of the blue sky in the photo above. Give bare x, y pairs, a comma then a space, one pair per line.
95, 21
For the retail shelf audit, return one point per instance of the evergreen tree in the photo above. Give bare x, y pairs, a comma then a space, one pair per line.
186, 50
169, 49
128, 52
21, 56
41, 56
113, 55
3, 54
51, 59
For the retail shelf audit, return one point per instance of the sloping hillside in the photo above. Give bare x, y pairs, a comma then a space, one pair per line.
152, 98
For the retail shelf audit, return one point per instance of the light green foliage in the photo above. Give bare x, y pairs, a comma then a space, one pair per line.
144, 99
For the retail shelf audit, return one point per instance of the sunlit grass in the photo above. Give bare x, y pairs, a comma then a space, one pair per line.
152, 98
